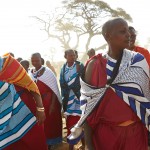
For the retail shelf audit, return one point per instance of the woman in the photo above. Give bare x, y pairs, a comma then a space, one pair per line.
70, 89
47, 84
134, 47
18, 127
49, 65
116, 95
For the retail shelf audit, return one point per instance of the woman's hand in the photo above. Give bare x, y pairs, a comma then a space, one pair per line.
40, 116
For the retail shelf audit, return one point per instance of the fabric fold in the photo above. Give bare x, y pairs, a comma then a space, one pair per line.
131, 75
13, 73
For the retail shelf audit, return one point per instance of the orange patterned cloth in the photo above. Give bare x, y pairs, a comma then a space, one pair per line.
12, 72
144, 52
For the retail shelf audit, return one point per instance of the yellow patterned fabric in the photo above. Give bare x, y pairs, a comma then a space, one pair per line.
12, 72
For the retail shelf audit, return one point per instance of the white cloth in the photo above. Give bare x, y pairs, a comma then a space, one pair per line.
50, 80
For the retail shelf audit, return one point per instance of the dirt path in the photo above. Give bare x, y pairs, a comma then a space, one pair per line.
64, 145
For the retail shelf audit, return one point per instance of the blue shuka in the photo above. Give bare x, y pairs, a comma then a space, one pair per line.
70, 88
15, 118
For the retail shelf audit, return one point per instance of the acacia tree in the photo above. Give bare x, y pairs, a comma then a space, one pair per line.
77, 18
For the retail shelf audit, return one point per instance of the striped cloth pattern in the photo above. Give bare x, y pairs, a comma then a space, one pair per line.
15, 118
13, 72
50, 80
73, 107
129, 92
111, 63
131, 85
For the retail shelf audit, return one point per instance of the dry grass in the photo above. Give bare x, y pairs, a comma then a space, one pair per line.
64, 146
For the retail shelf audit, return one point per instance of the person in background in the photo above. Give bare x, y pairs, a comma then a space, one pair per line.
135, 48
19, 59
70, 90
25, 64
48, 64
76, 52
43, 61
48, 87
76, 59
139, 49
115, 94
18, 124
91, 53
12, 54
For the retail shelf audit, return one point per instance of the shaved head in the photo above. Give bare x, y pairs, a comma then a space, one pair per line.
25, 64
109, 25
91, 52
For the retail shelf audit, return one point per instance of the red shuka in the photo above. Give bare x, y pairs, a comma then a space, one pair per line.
35, 138
112, 111
53, 122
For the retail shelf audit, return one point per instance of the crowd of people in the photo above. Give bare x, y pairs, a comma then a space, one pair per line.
105, 102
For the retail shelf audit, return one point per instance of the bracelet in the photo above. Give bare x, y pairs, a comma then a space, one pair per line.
40, 109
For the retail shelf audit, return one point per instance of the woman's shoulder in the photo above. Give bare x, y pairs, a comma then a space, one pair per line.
95, 59
135, 56
93, 63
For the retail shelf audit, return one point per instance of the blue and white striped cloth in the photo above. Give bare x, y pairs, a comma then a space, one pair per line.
131, 89
111, 63
132, 85
73, 107
15, 118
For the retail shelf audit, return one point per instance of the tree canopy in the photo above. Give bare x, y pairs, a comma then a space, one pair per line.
78, 18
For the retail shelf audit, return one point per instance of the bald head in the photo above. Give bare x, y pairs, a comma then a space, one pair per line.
91, 52
108, 26
25, 64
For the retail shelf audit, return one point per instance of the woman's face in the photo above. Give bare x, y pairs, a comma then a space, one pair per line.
70, 57
120, 36
36, 61
132, 37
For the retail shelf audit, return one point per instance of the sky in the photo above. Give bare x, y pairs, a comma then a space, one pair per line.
20, 34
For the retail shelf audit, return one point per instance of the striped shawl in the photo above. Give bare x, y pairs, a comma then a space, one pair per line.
131, 85
15, 118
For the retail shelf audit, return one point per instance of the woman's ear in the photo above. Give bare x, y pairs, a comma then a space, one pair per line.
108, 37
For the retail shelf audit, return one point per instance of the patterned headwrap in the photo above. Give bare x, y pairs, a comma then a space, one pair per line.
13, 72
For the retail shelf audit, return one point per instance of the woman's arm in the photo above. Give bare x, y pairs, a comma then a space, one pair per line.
87, 128
88, 137
51, 107
40, 114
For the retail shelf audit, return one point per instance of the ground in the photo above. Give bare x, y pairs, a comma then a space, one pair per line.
64, 145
